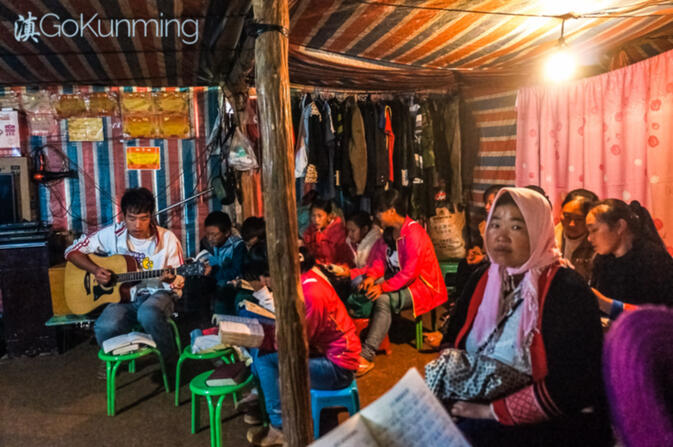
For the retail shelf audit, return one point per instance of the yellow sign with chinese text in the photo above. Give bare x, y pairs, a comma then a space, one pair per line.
143, 157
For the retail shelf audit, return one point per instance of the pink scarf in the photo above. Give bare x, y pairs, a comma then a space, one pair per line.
537, 215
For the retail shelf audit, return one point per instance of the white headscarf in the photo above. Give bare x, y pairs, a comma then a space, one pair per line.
537, 214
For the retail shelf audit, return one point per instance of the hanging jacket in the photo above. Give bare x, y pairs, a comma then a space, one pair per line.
346, 176
301, 143
427, 136
381, 166
390, 141
338, 123
447, 146
317, 162
357, 150
326, 166
417, 208
369, 118
329, 245
453, 141
401, 125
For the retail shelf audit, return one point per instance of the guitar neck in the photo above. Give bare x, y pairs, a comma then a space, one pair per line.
140, 275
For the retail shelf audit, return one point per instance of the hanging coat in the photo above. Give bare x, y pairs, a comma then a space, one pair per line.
357, 150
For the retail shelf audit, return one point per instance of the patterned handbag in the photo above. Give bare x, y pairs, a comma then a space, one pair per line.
460, 375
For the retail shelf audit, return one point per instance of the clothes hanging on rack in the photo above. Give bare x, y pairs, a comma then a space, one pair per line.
358, 145
357, 148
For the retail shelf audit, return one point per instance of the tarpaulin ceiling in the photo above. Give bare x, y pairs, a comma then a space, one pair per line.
390, 44
118, 42
470, 38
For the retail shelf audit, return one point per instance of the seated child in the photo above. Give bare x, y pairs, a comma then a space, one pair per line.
225, 259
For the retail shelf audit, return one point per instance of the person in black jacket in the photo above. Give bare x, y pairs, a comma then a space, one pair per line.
554, 335
632, 266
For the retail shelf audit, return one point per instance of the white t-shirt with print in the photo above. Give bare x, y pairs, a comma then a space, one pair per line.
159, 251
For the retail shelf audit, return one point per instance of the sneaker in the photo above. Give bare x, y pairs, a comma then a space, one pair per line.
250, 400
433, 339
364, 367
252, 418
266, 437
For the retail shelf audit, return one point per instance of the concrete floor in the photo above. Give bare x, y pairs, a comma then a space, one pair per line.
57, 400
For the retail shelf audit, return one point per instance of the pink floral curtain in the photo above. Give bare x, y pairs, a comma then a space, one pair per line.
611, 134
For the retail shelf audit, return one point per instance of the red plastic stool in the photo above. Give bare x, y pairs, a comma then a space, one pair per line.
361, 324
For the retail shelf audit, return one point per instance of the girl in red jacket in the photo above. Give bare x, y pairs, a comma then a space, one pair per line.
325, 238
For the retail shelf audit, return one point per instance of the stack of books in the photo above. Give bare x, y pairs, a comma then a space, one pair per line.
241, 331
125, 343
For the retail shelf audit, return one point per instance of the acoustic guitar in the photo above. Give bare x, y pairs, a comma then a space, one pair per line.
83, 293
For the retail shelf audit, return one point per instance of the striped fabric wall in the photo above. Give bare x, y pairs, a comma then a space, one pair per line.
495, 116
91, 201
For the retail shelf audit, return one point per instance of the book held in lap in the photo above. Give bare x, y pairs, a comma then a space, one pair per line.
408, 415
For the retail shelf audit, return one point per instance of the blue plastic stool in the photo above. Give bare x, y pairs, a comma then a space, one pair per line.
348, 397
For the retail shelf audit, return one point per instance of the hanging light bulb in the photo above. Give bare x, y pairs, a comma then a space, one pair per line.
561, 63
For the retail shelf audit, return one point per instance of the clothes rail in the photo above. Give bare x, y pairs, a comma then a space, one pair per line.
348, 92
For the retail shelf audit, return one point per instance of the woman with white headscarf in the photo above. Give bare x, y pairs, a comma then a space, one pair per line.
530, 331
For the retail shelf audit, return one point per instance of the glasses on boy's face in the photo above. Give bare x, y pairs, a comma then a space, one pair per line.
567, 217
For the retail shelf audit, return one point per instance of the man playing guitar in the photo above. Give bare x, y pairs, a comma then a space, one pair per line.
151, 300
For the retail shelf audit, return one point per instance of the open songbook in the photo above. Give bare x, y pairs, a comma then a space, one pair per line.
408, 415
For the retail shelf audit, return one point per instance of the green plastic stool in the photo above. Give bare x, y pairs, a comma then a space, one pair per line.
419, 328
176, 334
227, 355
198, 387
112, 363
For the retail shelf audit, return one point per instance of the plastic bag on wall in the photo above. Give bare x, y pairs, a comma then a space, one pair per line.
9, 100
103, 104
173, 102
138, 126
137, 102
42, 124
36, 102
39, 112
241, 155
70, 106
174, 125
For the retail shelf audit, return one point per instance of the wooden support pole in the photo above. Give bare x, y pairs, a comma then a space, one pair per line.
273, 95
